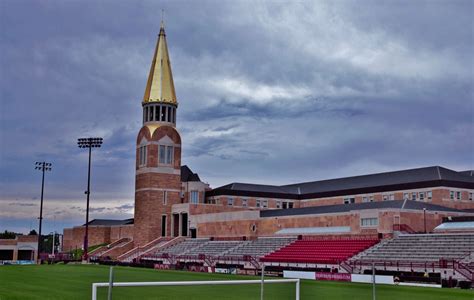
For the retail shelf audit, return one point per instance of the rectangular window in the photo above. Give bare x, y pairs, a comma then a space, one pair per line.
458, 195
169, 155
371, 198
349, 200
422, 196
429, 195
405, 196
258, 203
278, 204
265, 203
162, 154
413, 196
365, 199
230, 201
392, 196
290, 204
385, 197
244, 202
451, 195
165, 197
369, 222
285, 205
142, 156
470, 196
194, 197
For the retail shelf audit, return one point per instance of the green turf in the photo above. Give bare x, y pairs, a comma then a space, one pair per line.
75, 281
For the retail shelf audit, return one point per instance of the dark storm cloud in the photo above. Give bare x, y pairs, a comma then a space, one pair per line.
269, 92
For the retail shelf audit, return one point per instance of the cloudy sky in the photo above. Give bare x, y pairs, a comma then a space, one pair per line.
269, 92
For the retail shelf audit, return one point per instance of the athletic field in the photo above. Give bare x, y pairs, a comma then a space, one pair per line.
75, 281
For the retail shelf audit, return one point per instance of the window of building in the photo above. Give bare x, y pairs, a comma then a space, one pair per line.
265, 203
422, 196
405, 196
367, 222
258, 203
392, 197
194, 197
230, 201
385, 197
349, 200
429, 195
142, 156
470, 196
451, 195
371, 198
166, 155
413, 196
162, 154
365, 199
290, 204
278, 204
458, 195
169, 155
165, 197
285, 205
244, 202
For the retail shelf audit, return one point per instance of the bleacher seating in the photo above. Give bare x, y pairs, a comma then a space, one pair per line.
214, 248
319, 251
422, 247
183, 247
260, 247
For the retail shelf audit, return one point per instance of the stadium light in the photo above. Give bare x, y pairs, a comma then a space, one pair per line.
43, 167
91, 142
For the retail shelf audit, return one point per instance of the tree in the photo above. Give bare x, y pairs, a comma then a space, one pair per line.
8, 235
33, 232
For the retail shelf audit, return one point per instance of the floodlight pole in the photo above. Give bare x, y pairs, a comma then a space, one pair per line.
88, 143
86, 235
42, 166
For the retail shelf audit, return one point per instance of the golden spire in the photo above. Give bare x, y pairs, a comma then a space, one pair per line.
160, 85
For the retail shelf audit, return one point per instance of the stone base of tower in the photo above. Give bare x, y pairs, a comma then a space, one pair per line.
153, 216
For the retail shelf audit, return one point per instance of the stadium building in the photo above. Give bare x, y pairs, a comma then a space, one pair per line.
180, 219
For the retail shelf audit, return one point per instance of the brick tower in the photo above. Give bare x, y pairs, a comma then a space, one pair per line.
158, 163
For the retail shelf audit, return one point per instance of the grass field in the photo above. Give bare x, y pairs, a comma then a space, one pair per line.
75, 281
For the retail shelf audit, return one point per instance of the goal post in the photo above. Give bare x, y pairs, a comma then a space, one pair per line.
96, 285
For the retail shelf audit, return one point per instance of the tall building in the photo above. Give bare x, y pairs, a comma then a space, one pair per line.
172, 201
158, 152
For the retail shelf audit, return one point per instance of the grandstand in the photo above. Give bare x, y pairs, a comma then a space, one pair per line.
422, 247
261, 246
320, 251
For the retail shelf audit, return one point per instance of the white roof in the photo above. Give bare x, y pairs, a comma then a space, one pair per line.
315, 230
455, 226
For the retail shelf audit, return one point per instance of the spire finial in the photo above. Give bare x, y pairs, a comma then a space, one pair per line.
162, 18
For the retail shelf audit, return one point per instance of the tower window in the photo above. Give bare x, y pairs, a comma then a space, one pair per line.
166, 155
165, 197
169, 155
230, 201
430, 195
244, 202
142, 156
162, 154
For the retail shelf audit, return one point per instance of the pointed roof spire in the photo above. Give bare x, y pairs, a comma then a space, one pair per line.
160, 85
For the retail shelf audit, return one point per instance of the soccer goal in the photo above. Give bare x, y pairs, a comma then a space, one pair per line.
97, 285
